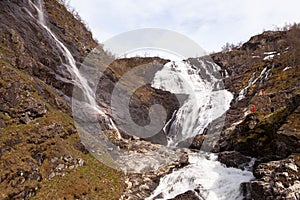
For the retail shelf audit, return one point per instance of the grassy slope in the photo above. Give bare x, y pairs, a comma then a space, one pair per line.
23, 141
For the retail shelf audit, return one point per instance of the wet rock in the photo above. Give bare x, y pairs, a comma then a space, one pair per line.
234, 159
198, 193
197, 142
189, 195
246, 190
141, 185
184, 160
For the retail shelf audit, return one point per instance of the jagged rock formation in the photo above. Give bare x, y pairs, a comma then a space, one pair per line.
277, 179
141, 99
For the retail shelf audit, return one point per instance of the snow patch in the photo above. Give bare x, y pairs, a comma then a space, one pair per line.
270, 53
287, 68
270, 57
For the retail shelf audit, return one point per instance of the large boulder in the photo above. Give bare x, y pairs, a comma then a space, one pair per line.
234, 159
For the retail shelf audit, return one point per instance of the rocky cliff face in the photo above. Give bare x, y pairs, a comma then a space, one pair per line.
141, 99
263, 121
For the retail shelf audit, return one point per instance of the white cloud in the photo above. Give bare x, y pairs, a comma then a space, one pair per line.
211, 23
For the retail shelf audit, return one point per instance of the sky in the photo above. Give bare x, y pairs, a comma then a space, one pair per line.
210, 23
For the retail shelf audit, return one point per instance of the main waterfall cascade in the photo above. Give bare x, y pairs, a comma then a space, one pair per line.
201, 81
206, 100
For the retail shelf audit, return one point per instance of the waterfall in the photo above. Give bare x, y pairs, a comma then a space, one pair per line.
201, 81
252, 81
207, 100
80, 81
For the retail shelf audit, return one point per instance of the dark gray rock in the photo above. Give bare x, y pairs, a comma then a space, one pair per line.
189, 195
277, 180
234, 159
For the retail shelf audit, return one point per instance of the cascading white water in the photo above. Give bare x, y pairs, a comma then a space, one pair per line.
216, 182
207, 100
265, 72
80, 81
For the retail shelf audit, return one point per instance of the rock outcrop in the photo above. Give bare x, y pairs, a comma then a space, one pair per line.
263, 73
277, 179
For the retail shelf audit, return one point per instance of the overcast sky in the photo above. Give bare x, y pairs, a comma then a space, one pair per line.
210, 23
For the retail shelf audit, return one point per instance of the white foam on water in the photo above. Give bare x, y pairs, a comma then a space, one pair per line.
206, 99
216, 181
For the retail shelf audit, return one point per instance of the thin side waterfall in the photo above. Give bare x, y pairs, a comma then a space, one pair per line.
78, 79
252, 81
